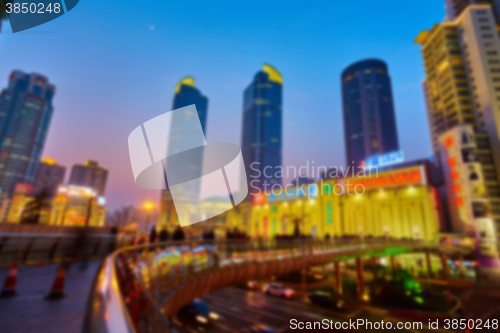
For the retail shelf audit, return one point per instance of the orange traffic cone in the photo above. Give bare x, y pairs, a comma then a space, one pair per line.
9, 287
57, 290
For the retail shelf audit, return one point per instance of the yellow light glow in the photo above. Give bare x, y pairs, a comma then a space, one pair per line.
272, 73
149, 206
49, 160
187, 81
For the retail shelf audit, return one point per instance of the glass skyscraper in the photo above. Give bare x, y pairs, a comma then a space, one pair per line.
261, 141
185, 94
89, 175
368, 106
25, 114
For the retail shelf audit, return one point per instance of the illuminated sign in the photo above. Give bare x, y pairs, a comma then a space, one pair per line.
397, 178
384, 160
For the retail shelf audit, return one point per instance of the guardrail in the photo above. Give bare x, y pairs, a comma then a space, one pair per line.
34, 248
138, 289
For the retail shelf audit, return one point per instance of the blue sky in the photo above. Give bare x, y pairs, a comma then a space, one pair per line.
115, 65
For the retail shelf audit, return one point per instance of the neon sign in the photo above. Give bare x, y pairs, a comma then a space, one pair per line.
384, 160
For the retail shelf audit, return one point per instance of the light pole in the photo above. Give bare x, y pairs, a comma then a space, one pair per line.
148, 207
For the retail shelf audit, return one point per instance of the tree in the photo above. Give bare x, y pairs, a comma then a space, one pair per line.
3, 11
33, 209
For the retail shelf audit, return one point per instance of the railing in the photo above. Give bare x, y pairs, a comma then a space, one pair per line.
138, 289
26, 248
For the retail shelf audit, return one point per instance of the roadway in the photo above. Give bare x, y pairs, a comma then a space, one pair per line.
239, 309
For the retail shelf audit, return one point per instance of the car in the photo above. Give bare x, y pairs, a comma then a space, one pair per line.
277, 289
196, 313
258, 328
326, 300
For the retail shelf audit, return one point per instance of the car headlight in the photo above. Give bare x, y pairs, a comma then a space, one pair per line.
213, 316
202, 319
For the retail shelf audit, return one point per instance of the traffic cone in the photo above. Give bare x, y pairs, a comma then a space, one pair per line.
57, 290
9, 287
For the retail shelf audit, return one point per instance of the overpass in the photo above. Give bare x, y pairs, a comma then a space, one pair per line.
139, 289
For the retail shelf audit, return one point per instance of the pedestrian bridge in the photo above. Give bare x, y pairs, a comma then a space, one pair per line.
138, 289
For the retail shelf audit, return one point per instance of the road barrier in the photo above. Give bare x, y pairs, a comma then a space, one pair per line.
34, 248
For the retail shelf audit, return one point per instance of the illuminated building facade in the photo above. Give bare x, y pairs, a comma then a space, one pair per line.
466, 191
400, 203
77, 206
185, 94
89, 175
49, 175
25, 114
369, 119
261, 140
22, 195
462, 86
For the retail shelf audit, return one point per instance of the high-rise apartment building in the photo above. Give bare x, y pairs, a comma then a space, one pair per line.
261, 141
369, 119
89, 175
49, 175
185, 94
462, 87
25, 113
455, 7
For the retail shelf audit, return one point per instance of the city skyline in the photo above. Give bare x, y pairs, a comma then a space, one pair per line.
311, 99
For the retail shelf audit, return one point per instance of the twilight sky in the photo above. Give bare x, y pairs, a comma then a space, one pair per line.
115, 65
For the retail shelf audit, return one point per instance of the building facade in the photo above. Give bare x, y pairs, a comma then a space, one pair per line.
49, 175
185, 94
399, 203
368, 111
462, 87
77, 206
89, 175
455, 7
262, 138
25, 113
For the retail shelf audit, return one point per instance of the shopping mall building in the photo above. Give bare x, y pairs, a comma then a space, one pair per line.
403, 202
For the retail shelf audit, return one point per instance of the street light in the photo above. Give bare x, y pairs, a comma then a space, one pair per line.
148, 207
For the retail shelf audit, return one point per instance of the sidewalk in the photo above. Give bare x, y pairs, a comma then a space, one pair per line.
30, 312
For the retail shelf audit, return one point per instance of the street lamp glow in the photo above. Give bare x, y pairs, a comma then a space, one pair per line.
149, 206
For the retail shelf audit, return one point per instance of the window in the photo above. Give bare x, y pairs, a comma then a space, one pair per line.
495, 70
491, 53
487, 36
485, 28
483, 19
488, 44
494, 61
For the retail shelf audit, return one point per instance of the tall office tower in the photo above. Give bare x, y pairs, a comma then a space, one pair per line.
89, 175
369, 120
49, 175
462, 87
185, 94
261, 141
455, 7
25, 114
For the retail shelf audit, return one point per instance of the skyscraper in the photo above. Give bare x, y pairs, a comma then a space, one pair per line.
455, 7
25, 114
369, 120
462, 66
89, 175
185, 94
261, 141
49, 175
